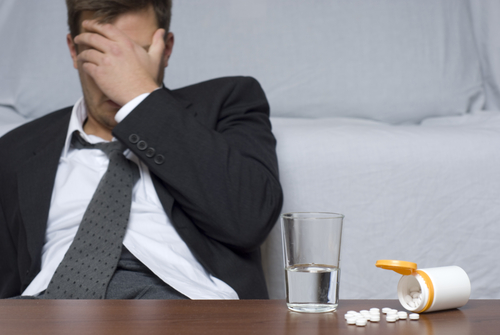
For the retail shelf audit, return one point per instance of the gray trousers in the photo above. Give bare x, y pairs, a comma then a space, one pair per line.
133, 280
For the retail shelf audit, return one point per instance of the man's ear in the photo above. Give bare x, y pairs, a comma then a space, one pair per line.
169, 46
72, 50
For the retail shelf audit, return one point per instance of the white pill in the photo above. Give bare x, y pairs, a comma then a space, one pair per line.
395, 315
351, 321
374, 310
385, 310
391, 318
402, 315
411, 304
361, 322
415, 295
414, 316
408, 299
364, 311
354, 316
375, 318
392, 312
351, 312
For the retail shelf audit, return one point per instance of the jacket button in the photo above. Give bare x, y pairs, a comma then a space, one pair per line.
142, 145
159, 159
150, 152
134, 138
27, 272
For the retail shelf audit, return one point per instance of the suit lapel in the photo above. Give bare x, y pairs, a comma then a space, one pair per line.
35, 183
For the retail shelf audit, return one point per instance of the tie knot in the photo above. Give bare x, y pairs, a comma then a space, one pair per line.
107, 147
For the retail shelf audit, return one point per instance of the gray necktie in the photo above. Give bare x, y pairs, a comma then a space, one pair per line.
91, 260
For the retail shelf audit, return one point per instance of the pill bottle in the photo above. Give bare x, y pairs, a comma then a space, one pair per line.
429, 290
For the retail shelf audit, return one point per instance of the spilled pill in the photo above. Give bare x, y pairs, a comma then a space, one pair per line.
402, 315
361, 322
414, 316
391, 318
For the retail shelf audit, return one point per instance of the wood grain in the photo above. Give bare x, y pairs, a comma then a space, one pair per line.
228, 317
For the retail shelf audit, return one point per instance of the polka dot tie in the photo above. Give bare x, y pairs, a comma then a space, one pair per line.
91, 260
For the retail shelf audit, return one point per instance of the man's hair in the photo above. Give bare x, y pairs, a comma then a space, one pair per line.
106, 11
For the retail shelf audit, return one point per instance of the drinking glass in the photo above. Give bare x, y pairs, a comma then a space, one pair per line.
311, 247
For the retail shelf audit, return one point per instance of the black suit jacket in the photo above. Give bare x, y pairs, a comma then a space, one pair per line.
214, 168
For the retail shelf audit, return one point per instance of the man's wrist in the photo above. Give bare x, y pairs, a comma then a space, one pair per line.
130, 106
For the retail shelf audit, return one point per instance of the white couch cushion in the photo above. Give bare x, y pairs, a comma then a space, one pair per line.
428, 194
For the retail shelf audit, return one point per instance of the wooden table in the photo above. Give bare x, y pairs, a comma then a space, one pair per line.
123, 317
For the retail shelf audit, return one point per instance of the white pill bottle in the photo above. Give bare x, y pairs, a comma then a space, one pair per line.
439, 288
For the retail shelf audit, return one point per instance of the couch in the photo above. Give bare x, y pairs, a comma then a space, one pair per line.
386, 111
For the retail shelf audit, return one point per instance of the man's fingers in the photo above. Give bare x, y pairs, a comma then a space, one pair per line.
157, 47
94, 41
89, 68
107, 30
91, 56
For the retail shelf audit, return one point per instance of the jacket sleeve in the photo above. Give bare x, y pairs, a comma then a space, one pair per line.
216, 158
10, 281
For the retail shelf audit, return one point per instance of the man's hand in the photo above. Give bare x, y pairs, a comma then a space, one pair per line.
120, 67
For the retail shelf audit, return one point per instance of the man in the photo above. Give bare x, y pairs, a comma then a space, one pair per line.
207, 190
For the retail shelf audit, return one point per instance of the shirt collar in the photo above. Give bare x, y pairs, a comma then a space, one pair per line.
78, 117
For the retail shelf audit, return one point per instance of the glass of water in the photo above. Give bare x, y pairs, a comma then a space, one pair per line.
311, 245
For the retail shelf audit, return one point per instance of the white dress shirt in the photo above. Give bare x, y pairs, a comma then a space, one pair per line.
150, 235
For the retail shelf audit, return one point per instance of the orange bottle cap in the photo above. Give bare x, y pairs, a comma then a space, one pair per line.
401, 267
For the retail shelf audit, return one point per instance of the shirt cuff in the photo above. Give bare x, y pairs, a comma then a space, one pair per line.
129, 106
